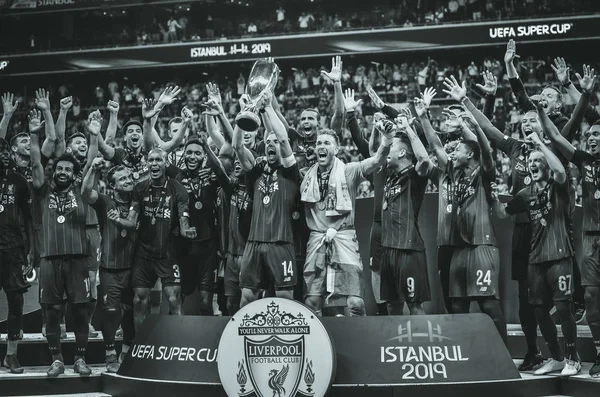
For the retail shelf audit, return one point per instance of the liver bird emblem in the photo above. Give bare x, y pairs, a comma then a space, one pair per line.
277, 379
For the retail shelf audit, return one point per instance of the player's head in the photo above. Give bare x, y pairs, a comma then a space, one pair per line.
193, 154
20, 145
133, 134
453, 123
538, 166
530, 123
157, 163
309, 121
77, 145
4, 154
250, 139
327, 147
175, 125
400, 152
552, 99
65, 169
592, 136
272, 148
466, 153
120, 179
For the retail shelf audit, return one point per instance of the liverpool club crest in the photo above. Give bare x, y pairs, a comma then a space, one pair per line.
275, 347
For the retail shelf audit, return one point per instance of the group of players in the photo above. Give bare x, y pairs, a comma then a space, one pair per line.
276, 215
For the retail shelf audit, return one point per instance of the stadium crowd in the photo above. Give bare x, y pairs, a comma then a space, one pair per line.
153, 24
213, 190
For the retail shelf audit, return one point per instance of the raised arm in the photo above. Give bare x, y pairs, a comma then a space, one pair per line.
216, 166
35, 127
432, 139
42, 102
214, 97
277, 109
587, 85
60, 127
551, 131
335, 77
212, 128
245, 156
378, 103
350, 105
9, 105
489, 88
515, 82
424, 165
487, 154
90, 196
113, 121
187, 115
373, 163
272, 123
94, 126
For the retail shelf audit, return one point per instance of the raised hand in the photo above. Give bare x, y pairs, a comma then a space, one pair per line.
35, 121
349, 102
169, 95
187, 114
561, 70
490, 83
213, 92
403, 123
66, 103
428, 95
42, 99
539, 102
266, 100
95, 115
113, 107
212, 108
511, 52
589, 78
377, 102
456, 91
335, 76
244, 102
9, 105
535, 138
113, 215
94, 126
98, 164
149, 109
420, 106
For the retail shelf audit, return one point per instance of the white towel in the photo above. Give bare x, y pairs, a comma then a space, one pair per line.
337, 199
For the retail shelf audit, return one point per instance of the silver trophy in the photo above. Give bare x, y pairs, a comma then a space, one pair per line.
262, 79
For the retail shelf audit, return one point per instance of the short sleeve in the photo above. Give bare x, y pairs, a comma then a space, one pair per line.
510, 146
100, 206
355, 173
580, 158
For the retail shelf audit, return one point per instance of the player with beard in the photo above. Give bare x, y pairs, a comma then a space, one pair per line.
15, 264
547, 202
133, 156
273, 185
466, 179
116, 257
588, 163
64, 267
157, 204
197, 258
328, 192
404, 266
519, 151
235, 224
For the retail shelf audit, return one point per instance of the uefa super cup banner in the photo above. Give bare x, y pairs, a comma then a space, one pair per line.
275, 347
371, 41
